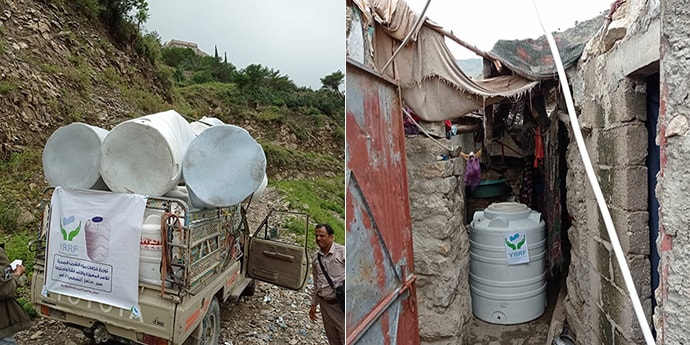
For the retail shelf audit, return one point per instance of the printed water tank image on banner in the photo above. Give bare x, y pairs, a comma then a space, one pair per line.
97, 234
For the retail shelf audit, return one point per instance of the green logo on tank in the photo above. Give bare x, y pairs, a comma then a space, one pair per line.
512, 238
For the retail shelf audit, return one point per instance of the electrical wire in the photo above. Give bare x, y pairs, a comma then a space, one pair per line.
615, 243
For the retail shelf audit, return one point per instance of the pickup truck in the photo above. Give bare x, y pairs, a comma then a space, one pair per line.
209, 257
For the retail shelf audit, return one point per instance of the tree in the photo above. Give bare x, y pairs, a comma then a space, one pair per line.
332, 82
142, 14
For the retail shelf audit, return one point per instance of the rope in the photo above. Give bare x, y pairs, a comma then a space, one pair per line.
425, 132
165, 255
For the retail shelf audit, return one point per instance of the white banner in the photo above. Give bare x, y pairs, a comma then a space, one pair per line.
93, 246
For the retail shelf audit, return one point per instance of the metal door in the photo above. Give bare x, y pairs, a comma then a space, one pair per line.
381, 305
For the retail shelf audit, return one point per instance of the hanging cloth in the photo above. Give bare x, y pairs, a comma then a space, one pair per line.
472, 172
538, 148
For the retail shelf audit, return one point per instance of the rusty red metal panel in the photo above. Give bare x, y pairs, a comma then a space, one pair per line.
381, 300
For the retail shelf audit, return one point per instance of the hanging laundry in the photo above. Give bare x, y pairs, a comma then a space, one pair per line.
527, 186
538, 148
473, 169
409, 122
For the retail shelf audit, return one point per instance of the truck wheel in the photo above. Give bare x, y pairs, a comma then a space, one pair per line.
250, 289
208, 331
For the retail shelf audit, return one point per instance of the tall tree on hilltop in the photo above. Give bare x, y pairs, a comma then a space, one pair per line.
332, 82
142, 13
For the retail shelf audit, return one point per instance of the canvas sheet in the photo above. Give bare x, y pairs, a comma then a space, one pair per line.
532, 58
432, 83
93, 246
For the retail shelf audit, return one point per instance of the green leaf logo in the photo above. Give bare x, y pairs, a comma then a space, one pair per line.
75, 232
72, 234
511, 245
521, 243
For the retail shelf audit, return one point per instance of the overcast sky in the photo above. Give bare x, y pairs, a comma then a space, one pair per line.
483, 22
303, 39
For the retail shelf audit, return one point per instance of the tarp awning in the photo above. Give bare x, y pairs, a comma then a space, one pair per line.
432, 83
532, 58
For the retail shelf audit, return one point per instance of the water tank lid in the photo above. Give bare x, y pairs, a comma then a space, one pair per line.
504, 207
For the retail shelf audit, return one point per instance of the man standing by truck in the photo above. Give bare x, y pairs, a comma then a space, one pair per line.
328, 264
14, 318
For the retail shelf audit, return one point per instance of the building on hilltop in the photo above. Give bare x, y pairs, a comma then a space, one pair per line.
184, 44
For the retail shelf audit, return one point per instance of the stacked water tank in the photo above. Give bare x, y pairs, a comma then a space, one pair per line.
206, 163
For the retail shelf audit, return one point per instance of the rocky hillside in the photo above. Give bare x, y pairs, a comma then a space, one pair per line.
60, 64
57, 67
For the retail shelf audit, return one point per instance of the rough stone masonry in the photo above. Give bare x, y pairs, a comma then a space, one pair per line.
441, 242
672, 314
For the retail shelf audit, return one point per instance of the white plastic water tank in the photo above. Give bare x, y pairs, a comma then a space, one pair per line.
204, 123
72, 157
144, 155
259, 190
179, 193
507, 264
222, 166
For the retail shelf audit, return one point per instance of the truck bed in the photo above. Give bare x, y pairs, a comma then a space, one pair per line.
204, 250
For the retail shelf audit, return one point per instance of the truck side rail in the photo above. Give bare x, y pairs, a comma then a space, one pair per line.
198, 244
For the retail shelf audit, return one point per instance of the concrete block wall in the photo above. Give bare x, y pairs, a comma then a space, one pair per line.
613, 109
441, 243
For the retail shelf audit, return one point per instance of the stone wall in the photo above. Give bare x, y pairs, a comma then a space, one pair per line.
441, 243
673, 296
611, 104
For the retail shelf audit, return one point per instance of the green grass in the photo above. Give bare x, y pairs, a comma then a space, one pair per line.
50, 68
7, 86
282, 158
322, 198
17, 247
15, 177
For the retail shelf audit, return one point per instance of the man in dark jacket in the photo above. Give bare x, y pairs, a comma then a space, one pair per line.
13, 318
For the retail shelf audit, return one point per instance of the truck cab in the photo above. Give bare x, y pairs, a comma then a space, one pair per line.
190, 262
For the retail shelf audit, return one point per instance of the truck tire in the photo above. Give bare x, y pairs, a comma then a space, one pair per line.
208, 331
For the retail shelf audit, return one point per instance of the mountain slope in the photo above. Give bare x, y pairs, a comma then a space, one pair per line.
59, 63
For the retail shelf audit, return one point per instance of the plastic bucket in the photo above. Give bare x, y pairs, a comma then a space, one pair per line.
222, 166
144, 155
151, 249
204, 123
150, 270
72, 157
